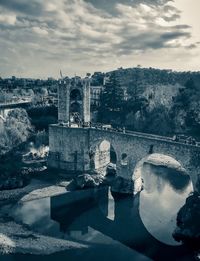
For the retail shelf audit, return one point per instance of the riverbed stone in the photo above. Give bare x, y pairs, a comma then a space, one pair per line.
87, 181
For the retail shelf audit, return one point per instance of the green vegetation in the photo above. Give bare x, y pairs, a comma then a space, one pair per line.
151, 100
15, 129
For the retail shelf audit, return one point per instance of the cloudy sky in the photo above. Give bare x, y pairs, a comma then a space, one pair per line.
38, 37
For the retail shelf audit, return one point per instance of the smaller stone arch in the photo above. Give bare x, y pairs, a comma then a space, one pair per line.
124, 159
101, 155
113, 155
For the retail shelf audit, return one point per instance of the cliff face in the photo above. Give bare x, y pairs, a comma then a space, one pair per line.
161, 95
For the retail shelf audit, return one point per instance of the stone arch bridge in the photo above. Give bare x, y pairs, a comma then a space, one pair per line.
71, 149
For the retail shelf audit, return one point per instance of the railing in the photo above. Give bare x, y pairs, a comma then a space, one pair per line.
109, 128
148, 135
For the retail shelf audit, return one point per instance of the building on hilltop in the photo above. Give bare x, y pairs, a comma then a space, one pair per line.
95, 95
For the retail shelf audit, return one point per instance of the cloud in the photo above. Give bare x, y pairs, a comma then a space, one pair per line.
32, 7
7, 19
39, 30
110, 5
81, 33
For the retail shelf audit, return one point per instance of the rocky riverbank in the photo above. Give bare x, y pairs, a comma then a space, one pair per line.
188, 222
17, 238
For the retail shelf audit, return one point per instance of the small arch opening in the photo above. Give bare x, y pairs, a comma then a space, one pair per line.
124, 159
151, 149
113, 155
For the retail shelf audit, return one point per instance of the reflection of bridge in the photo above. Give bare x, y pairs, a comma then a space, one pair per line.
76, 211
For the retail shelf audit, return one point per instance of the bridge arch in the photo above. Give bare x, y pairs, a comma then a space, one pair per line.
101, 154
166, 166
75, 107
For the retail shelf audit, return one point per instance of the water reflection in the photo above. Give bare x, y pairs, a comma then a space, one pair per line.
36, 214
143, 223
164, 194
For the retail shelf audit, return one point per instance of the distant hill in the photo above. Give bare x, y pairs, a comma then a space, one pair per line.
151, 76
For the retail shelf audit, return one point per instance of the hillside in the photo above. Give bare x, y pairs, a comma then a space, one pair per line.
157, 101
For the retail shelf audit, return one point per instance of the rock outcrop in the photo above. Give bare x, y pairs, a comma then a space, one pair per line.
188, 222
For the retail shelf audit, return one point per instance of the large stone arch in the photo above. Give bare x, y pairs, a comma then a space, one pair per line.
178, 178
137, 148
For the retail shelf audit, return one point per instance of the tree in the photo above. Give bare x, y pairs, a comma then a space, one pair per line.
112, 99
17, 127
113, 94
136, 83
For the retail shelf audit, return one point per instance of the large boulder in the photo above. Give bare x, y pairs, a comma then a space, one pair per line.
188, 222
122, 185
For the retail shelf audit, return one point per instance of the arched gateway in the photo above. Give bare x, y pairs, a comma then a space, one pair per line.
74, 100
70, 147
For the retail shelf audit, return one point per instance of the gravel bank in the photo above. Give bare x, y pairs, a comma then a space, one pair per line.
15, 238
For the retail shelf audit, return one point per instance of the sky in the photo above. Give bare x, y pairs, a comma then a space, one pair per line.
39, 38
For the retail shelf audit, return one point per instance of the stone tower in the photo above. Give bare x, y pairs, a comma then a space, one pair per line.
74, 100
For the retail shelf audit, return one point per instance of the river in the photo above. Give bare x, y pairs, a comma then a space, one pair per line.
112, 226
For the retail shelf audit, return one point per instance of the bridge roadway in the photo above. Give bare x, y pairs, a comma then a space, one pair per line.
10, 105
145, 135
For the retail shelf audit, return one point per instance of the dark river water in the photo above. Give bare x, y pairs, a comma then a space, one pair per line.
114, 226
